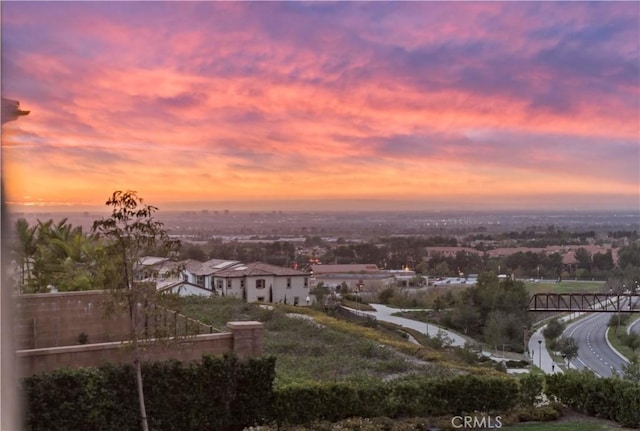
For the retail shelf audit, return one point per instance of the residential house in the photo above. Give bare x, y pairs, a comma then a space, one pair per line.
202, 273
156, 268
357, 277
255, 282
182, 288
261, 282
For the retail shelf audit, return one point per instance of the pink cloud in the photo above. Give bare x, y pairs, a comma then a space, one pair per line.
277, 99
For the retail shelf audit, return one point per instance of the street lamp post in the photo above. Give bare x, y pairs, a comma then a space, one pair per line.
540, 354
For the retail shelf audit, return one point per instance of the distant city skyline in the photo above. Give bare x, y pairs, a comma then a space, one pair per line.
323, 106
346, 205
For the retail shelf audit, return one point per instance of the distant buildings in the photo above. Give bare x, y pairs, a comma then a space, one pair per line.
261, 282
359, 277
255, 282
507, 251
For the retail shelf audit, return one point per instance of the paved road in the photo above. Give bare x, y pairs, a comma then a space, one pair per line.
540, 355
594, 352
384, 313
634, 327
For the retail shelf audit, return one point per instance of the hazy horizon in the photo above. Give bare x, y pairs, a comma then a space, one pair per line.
335, 205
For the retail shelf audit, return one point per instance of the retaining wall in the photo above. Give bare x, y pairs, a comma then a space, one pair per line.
48, 325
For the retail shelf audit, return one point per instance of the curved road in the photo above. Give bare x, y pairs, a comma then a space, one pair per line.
594, 352
634, 327
384, 313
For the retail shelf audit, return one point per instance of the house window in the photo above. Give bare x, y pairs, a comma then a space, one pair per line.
228, 284
288, 283
306, 282
242, 283
200, 280
219, 284
260, 298
261, 284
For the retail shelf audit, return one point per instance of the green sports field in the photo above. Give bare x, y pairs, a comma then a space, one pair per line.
565, 286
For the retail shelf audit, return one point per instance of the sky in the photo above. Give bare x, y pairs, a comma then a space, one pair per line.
322, 105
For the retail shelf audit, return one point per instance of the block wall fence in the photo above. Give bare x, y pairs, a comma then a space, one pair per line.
48, 326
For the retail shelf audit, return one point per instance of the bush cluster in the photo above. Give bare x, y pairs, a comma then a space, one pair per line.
301, 404
218, 393
612, 399
225, 394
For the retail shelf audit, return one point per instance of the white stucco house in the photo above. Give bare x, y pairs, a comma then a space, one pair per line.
202, 273
254, 282
261, 282
182, 288
156, 268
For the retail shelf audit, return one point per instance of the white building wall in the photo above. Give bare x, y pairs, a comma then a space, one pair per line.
233, 287
208, 282
276, 286
296, 291
254, 294
186, 290
189, 277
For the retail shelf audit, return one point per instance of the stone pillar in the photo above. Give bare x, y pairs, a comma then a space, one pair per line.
247, 338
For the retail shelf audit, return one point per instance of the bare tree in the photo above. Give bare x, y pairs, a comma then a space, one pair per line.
129, 233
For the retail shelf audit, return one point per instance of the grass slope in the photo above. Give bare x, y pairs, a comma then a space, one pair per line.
318, 350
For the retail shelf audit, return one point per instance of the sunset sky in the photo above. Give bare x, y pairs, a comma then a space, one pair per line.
405, 105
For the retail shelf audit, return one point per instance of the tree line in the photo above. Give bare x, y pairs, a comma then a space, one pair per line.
58, 254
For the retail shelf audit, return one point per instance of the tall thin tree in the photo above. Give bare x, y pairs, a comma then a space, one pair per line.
129, 232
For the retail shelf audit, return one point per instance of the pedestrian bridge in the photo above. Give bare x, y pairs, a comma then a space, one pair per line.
601, 302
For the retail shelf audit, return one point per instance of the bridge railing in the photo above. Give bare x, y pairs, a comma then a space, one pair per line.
586, 302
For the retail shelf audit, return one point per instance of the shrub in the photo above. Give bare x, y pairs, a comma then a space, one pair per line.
531, 388
303, 404
545, 413
612, 399
385, 295
219, 393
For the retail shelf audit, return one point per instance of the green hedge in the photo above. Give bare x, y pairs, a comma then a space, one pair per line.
301, 404
218, 393
613, 399
225, 394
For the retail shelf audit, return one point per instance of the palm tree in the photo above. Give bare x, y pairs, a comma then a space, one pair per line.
26, 248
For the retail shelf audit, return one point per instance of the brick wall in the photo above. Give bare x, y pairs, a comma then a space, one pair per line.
35, 361
48, 326
57, 319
